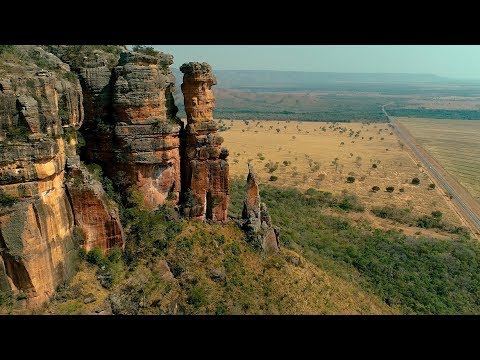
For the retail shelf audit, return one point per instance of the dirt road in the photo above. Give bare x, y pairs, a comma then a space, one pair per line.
465, 204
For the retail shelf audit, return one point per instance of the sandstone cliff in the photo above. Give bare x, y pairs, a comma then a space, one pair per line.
205, 181
95, 214
40, 99
121, 104
36, 225
146, 126
257, 221
131, 127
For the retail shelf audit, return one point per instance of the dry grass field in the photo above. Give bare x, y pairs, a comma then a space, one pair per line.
454, 144
446, 103
322, 155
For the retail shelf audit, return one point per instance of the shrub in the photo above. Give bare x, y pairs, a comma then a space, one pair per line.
374, 166
392, 212
375, 188
271, 167
314, 166
6, 200
428, 222
390, 189
401, 190
171, 196
115, 254
273, 178
197, 296
350, 179
82, 253
5, 296
351, 202
415, 181
437, 214
147, 50
95, 256
19, 132
431, 186
190, 199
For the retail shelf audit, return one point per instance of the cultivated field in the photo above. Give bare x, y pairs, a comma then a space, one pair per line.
322, 155
454, 144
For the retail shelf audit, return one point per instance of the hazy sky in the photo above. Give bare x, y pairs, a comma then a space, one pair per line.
461, 61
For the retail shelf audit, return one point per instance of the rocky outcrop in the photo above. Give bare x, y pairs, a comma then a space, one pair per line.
94, 213
205, 179
37, 245
146, 127
257, 222
94, 68
131, 127
40, 112
122, 103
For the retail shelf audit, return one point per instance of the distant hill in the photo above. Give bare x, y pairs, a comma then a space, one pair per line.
321, 96
241, 79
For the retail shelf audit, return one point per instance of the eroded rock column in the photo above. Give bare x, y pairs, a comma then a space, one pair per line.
37, 246
257, 222
146, 127
205, 171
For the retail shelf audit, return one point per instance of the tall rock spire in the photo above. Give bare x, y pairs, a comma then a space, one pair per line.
257, 222
205, 180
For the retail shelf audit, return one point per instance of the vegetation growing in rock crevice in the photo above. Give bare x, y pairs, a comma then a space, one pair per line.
6, 200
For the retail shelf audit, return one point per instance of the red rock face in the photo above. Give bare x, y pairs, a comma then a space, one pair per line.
94, 213
131, 128
205, 171
146, 127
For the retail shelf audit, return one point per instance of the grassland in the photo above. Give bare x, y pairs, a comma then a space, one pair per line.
323, 155
454, 144
285, 283
328, 264
416, 274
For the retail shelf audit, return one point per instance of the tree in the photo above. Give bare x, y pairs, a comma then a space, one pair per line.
390, 189
271, 167
431, 186
375, 188
358, 161
147, 50
415, 181
350, 179
335, 163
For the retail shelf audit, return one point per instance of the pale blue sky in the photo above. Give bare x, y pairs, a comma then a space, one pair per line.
460, 61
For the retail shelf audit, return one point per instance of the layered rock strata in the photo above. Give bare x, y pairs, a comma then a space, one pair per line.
37, 247
131, 127
205, 179
40, 112
94, 213
146, 134
257, 222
